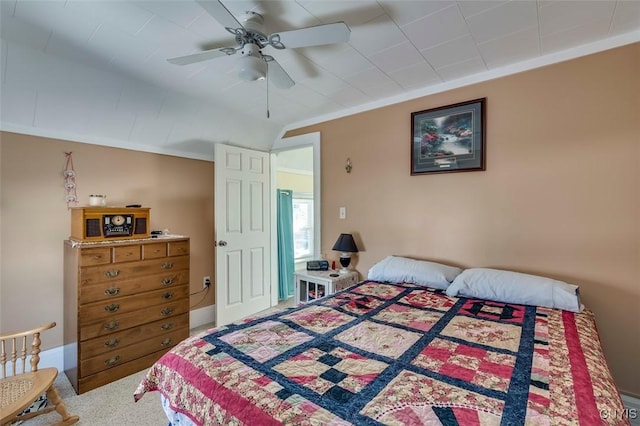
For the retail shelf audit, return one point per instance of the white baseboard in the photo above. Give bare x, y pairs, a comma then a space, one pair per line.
633, 406
202, 316
52, 358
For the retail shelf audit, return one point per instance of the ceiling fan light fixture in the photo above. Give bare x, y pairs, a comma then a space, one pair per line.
252, 68
251, 64
250, 38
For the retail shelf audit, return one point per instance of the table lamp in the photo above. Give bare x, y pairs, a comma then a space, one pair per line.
346, 245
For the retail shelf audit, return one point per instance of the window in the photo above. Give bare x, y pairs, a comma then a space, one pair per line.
302, 226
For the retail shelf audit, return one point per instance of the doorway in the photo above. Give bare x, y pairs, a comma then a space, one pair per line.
294, 214
296, 185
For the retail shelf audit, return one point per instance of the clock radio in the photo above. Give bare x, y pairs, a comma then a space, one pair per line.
317, 265
109, 223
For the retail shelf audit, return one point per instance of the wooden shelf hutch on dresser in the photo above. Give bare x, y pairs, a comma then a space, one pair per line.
125, 304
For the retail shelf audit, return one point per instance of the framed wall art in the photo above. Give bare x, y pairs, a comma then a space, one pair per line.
449, 138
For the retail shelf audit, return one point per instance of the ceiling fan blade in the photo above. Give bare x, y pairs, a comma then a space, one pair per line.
277, 75
337, 32
202, 56
221, 14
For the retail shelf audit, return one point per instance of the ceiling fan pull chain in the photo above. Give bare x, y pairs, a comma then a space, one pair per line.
268, 89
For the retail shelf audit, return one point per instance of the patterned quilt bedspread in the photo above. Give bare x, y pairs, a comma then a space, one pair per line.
395, 354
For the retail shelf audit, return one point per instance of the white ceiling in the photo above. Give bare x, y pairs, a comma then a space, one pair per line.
299, 160
96, 71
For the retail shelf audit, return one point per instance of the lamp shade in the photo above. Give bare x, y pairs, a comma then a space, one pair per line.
345, 244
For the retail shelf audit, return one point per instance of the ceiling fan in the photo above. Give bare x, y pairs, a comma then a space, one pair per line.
251, 39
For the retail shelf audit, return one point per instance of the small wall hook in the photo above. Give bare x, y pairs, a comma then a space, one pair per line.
348, 167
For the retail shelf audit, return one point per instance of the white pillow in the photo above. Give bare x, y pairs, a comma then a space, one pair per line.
401, 269
516, 287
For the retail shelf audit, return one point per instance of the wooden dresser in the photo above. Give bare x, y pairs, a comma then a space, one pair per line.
125, 304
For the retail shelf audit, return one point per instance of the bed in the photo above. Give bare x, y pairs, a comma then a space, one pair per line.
396, 353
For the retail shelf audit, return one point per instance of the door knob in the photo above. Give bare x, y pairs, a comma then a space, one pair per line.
222, 243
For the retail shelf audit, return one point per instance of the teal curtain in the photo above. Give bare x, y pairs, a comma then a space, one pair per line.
286, 262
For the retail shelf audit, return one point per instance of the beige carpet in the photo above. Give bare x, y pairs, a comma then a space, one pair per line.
109, 405
112, 404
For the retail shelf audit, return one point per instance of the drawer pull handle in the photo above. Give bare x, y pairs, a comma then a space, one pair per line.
112, 307
167, 281
112, 361
111, 325
166, 342
97, 256
166, 311
168, 295
167, 326
112, 343
167, 265
112, 291
112, 273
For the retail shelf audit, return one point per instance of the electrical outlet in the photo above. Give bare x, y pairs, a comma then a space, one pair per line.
206, 282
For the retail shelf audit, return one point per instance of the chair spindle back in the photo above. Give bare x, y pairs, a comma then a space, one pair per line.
14, 351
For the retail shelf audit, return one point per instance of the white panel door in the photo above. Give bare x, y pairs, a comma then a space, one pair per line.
242, 223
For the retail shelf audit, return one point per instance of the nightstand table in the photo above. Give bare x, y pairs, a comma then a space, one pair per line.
312, 285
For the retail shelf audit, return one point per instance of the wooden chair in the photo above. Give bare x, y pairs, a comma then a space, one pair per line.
20, 388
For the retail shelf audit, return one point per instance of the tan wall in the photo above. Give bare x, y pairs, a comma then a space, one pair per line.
559, 198
35, 219
294, 181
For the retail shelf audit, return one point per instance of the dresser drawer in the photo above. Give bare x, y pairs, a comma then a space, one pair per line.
122, 271
123, 321
95, 256
127, 253
107, 308
114, 289
85, 383
121, 339
179, 248
154, 251
132, 352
